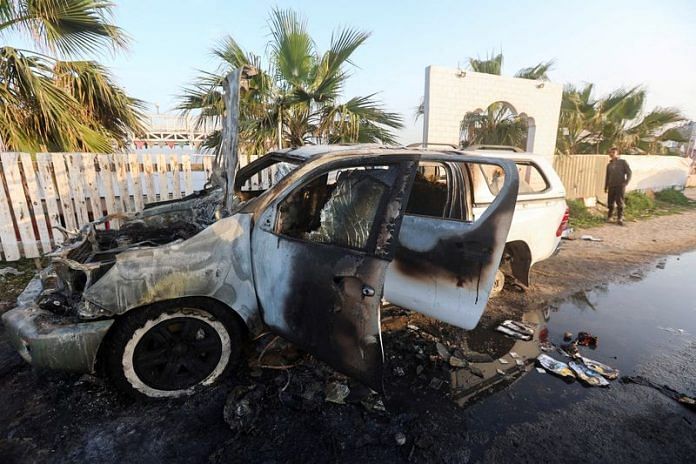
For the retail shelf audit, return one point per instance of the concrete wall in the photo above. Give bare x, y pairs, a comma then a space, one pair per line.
451, 93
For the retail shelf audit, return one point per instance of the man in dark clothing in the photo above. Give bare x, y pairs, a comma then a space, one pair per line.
618, 176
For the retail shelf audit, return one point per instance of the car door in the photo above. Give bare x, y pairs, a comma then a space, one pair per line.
320, 254
445, 263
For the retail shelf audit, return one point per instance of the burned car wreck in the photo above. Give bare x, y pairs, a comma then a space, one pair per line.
163, 304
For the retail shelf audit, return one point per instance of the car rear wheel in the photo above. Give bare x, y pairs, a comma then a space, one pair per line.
169, 350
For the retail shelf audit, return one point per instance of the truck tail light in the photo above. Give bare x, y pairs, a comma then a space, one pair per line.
564, 222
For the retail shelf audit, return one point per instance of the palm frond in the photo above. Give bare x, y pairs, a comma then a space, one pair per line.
539, 72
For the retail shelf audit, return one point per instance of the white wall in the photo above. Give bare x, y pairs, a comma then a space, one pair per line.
657, 172
451, 93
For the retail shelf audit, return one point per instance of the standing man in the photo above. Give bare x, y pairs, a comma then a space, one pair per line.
618, 176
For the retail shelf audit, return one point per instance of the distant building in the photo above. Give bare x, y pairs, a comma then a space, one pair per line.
172, 131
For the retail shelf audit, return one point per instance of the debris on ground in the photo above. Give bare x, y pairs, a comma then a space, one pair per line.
337, 392
442, 351
547, 346
590, 238
567, 336
587, 339
516, 329
242, 406
686, 400
556, 367
400, 439
600, 368
587, 375
5, 271
454, 361
672, 330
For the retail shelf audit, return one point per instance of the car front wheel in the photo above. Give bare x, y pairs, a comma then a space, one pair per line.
170, 349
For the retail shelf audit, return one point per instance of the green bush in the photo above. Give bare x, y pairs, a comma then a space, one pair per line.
638, 203
672, 196
580, 216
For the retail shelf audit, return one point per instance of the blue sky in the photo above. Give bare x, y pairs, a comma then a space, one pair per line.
610, 43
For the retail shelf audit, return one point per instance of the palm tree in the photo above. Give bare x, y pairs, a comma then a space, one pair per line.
54, 104
298, 99
493, 64
590, 125
498, 125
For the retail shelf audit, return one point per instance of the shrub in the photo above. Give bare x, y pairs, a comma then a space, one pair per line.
638, 203
580, 216
672, 196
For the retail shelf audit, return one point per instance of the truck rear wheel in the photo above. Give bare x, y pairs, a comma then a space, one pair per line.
170, 349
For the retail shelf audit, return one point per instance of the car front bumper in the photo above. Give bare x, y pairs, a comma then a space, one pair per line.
47, 340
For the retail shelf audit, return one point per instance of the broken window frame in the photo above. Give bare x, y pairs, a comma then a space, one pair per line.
371, 247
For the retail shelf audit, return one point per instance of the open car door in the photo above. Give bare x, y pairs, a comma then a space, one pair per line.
446, 260
320, 254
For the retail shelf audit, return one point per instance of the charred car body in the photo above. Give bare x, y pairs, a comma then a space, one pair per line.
164, 303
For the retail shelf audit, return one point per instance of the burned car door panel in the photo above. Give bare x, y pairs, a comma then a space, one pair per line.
319, 268
445, 268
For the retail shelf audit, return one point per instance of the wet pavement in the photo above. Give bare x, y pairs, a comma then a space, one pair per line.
518, 415
646, 327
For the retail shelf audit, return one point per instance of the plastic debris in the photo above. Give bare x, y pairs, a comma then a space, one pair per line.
337, 392
400, 439
516, 329
547, 346
587, 339
500, 371
569, 350
541, 370
674, 331
5, 271
600, 368
519, 362
590, 238
504, 361
554, 366
568, 336
457, 362
514, 354
587, 375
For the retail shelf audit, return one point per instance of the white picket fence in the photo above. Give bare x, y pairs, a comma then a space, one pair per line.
42, 191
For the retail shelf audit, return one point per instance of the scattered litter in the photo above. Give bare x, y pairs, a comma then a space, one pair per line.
587, 339
516, 329
672, 330
242, 406
587, 375
413, 327
504, 361
590, 238
519, 362
476, 357
566, 233
399, 371
569, 350
554, 366
400, 439
442, 351
337, 392
514, 354
602, 369
476, 371
568, 336
5, 271
541, 370
457, 362
687, 401
436, 383
547, 346
500, 371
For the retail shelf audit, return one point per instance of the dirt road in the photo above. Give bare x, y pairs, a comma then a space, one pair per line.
58, 417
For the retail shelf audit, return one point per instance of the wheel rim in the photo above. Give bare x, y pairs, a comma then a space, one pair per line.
177, 353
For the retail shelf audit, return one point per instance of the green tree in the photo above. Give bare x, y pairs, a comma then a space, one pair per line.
298, 98
498, 125
493, 64
593, 125
50, 99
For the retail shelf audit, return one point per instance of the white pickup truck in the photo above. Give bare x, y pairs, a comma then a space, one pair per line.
541, 213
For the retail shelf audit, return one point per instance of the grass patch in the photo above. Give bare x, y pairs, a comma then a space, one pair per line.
581, 216
673, 197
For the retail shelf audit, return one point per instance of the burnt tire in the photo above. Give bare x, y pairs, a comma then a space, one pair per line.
172, 349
